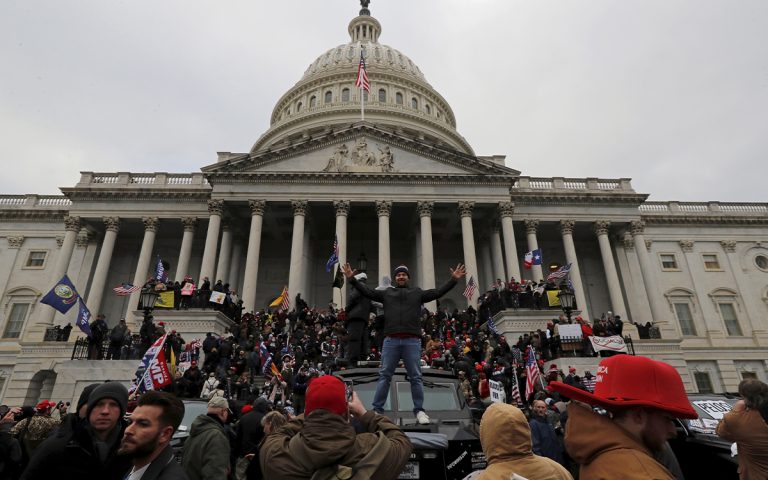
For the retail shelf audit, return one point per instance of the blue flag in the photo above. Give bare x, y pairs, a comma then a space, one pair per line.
160, 273
334, 256
84, 318
62, 296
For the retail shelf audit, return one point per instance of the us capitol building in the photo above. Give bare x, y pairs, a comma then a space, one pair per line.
401, 186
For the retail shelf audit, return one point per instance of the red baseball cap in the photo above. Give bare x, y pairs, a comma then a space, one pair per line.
326, 393
632, 381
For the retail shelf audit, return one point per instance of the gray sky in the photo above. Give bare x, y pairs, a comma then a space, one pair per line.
671, 93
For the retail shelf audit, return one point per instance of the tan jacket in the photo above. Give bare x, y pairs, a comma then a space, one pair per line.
750, 432
606, 451
506, 438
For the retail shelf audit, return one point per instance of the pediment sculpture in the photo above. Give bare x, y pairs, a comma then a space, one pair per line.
361, 159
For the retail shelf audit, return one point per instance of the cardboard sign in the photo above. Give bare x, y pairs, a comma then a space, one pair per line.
569, 331
714, 408
612, 344
497, 391
218, 297
188, 289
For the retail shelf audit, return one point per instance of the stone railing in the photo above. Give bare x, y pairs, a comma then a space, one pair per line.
621, 185
703, 208
160, 179
47, 202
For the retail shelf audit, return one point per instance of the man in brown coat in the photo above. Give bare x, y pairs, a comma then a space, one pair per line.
323, 439
643, 398
746, 425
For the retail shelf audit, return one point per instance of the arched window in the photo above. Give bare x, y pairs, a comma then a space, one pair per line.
414, 103
345, 95
382, 95
298, 107
427, 109
399, 98
328, 96
312, 101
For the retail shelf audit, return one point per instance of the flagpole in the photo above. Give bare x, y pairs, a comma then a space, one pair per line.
362, 89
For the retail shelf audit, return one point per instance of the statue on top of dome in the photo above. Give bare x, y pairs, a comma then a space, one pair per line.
364, 4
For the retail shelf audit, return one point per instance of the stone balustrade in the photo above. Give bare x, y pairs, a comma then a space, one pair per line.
145, 180
619, 185
703, 208
50, 202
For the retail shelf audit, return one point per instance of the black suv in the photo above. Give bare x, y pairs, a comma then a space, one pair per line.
449, 447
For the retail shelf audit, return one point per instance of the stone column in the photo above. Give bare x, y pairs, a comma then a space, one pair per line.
95, 295
222, 271
659, 311
497, 257
235, 263
427, 256
142, 266
252, 255
468, 242
611, 275
342, 212
506, 210
486, 266
531, 225
215, 208
384, 211
566, 229
297, 245
185, 252
47, 314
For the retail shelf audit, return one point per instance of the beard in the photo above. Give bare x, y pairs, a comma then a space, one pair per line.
138, 450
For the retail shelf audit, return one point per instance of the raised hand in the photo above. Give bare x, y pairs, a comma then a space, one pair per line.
348, 272
458, 272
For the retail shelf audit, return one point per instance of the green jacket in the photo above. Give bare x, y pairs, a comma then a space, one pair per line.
206, 451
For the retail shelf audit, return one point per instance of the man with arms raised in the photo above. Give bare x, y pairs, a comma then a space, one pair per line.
147, 438
643, 398
402, 331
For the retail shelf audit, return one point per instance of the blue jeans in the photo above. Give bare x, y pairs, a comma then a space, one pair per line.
393, 350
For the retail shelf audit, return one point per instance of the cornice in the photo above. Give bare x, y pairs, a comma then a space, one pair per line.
329, 178
553, 197
120, 193
34, 215
703, 220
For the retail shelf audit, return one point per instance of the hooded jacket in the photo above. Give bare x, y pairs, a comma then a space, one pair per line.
206, 451
606, 451
506, 439
402, 305
304, 446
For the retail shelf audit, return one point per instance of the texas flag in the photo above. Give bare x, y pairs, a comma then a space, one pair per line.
532, 258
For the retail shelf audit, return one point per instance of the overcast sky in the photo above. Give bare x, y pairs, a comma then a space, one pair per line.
673, 94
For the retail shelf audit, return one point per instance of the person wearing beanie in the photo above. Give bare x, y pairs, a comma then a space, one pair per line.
402, 331
206, 451
323, 442
358, 310
89, 450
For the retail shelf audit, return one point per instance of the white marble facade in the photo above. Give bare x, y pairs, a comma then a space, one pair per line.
401, 187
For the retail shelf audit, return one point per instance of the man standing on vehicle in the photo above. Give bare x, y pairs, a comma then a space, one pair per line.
323, 442
147, 438
402, 331
643, 398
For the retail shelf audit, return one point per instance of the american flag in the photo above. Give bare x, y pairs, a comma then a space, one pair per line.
334, 256
560, 273
469, 290
125, 289
492, 327
362, 75
286, 303
516, 388
531, 373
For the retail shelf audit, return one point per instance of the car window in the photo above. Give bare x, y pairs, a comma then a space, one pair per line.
191, 411
439, 396
710, 412
365, 392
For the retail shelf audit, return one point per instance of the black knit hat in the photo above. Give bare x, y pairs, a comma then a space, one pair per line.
114, 390
402, 268
84, 395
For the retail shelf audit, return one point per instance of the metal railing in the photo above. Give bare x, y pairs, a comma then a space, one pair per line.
84, 349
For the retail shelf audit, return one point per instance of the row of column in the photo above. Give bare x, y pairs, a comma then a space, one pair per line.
499, 263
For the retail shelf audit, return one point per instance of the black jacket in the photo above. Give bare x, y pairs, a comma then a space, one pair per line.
249, 430
165, 467
358, 307
402, 305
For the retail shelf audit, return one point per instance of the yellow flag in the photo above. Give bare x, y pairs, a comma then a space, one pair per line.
279, 300
554, 300
172, 366
165, 300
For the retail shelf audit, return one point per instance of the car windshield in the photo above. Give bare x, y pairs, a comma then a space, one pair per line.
439, 396
710, 411
191, 411
365, 392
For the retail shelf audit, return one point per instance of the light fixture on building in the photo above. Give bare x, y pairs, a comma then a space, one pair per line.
148, 298
566, 298
362, 262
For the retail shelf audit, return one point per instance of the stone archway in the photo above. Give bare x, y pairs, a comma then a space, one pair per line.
40, 387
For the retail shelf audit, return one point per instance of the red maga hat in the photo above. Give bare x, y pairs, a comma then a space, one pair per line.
631, 381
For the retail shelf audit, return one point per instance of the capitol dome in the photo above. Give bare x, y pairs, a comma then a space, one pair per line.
400, 98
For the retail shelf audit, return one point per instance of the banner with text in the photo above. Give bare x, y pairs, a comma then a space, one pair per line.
612, 344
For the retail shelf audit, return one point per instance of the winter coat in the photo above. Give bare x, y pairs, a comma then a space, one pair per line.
506, 439
750, 432
206, 451
358, 306
324, 439
544, 438
605, 450
402, 305
249, 430
164, 467
71, 455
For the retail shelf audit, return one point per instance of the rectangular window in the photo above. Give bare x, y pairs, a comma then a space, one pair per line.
711, 261
703, 382
36, 259
728, 313
685, 319
748, 375
668, 261
16, 320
